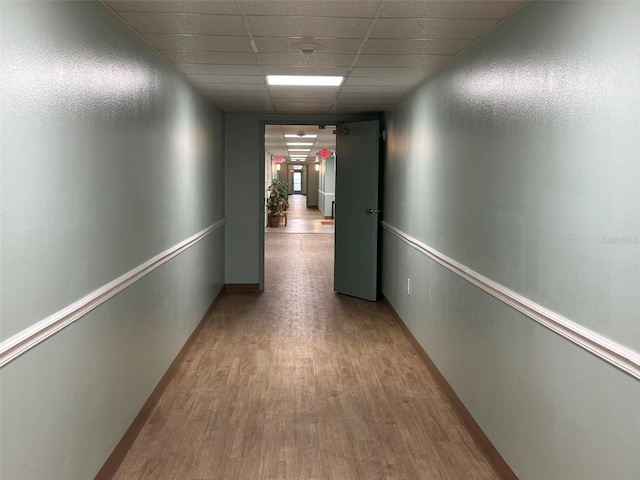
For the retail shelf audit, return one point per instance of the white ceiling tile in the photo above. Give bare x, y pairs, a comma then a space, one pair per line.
342, 8
293, 44
299, 59
306, 129
320, 70
301, 104
185, 23
211, 69
310, 109
425, 61
220, 58
220, 7
357, 96
382, 46
311, 92
376, 106
431, 28
202, 80
209, 43
308, 27
376, 100
282, 100
390, 72
399, 81
450, 9
373, 89
222, 88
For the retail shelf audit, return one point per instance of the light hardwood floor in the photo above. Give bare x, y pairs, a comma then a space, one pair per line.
302, 219
301, 383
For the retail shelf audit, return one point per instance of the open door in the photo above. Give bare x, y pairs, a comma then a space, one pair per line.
356, 229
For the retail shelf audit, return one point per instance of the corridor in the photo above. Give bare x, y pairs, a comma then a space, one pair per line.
138, 141
301, 383
302, 219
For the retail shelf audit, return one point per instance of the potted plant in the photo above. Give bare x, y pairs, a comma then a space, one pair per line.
277, 201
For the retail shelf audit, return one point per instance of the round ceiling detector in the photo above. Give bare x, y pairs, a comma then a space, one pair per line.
308, 48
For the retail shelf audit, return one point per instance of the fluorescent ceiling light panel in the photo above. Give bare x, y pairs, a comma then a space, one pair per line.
306, 135
304, 80
299, 144
299, 149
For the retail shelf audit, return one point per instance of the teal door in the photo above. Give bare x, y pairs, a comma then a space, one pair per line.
356, 227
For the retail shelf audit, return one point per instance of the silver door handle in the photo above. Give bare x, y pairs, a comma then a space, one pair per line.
369, 211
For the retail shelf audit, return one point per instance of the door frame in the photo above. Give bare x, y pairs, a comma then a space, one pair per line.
293, 119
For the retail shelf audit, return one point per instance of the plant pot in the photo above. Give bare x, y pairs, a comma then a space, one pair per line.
274, 221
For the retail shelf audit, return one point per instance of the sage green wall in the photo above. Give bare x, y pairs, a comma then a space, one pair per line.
520, 161
244, 197
313, 178
327, 188
109, 157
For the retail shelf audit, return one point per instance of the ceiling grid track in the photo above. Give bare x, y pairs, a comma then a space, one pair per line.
374, 20
254, 47
384, 49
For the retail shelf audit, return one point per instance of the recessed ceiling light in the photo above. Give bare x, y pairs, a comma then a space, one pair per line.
299, 149
293, 144
304, 80
306, 135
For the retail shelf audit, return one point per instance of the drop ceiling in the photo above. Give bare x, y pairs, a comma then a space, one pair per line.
276, 142
383, 48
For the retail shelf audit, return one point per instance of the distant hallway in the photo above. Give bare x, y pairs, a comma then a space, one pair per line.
302, 219
301, 383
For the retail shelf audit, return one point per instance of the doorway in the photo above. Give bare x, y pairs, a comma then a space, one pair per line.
294, 154
297, 182
359, 140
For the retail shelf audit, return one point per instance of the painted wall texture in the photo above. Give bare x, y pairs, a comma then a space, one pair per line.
108, 158
520, 160
313, 179
243, 179
327, 187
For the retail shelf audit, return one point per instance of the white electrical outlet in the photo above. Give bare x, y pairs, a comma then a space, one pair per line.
408, 286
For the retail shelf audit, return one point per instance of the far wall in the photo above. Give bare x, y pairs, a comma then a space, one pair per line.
327, 185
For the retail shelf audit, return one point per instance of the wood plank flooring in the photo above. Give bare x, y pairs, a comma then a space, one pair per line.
302, 219
301, 383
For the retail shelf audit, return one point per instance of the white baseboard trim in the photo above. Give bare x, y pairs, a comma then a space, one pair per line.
18, 344
618, 355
